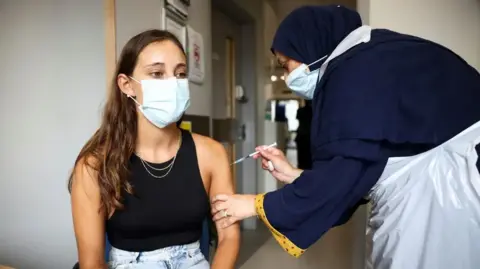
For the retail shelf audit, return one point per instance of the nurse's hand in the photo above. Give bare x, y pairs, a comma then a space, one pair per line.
282, 170
228, 209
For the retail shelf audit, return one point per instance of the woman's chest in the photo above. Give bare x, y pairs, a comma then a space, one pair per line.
174, 202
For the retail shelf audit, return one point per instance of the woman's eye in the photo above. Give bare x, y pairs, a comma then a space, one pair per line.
181, 75
156, 74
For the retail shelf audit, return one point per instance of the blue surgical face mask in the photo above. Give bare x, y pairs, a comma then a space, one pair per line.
164, 100
302, 81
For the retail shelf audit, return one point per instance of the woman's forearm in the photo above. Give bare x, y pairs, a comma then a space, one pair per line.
226, 253
296, 174
99, 265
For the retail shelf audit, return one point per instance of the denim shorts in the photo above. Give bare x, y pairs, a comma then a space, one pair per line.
175, 257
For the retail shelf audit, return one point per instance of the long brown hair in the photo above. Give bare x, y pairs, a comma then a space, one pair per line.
109, 150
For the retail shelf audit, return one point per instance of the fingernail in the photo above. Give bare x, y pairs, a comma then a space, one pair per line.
270, 166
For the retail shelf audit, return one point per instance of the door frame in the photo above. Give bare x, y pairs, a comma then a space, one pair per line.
245, 174
230, 98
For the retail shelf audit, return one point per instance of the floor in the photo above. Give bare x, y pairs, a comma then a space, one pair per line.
252, 241
336, 250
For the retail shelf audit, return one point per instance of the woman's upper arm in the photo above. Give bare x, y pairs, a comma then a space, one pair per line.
221, 183
88, 219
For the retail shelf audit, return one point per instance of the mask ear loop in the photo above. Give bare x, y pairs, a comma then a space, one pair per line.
131, 97
317, 61
135, 100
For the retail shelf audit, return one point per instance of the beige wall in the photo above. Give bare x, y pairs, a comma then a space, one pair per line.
271, 22
363, 7
284, 7
454, 24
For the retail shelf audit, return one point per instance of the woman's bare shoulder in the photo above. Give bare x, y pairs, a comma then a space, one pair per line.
213, 161
84, 179
208, 148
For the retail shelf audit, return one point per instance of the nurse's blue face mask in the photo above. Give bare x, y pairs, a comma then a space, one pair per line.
302, 81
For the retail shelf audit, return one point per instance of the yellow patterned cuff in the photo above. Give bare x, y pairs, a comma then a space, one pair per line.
286, 244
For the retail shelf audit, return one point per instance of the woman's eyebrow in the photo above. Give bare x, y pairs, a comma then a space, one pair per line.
180, 65
159, 64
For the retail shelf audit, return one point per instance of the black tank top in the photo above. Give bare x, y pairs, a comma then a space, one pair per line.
161, 212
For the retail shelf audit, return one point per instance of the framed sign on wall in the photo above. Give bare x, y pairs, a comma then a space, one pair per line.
196, 56
178, 7
175, 24
178, 29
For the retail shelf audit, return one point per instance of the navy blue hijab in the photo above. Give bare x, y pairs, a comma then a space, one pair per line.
396, 95
311, 32
394, 75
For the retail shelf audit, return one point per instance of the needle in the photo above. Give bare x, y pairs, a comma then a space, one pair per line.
253, 154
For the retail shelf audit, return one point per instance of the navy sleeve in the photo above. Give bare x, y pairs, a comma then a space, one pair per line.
345, 217
325, 196
329, 190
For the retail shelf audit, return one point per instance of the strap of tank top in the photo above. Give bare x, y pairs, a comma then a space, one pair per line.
186, 136
188, 143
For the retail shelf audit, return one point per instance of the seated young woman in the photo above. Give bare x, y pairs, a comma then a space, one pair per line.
142, 180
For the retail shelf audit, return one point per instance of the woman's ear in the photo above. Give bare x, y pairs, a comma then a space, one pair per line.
125, 85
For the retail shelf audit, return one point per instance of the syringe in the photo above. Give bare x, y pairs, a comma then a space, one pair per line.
255, 153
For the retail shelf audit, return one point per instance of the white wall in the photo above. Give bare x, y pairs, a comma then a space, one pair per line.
52, 82
454, 24
134, 17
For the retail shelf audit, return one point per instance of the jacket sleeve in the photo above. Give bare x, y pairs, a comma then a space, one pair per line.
321, 198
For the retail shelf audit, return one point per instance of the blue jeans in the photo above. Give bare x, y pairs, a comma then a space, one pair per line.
175, 257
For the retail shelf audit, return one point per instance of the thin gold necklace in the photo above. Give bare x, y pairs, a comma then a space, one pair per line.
146, 165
